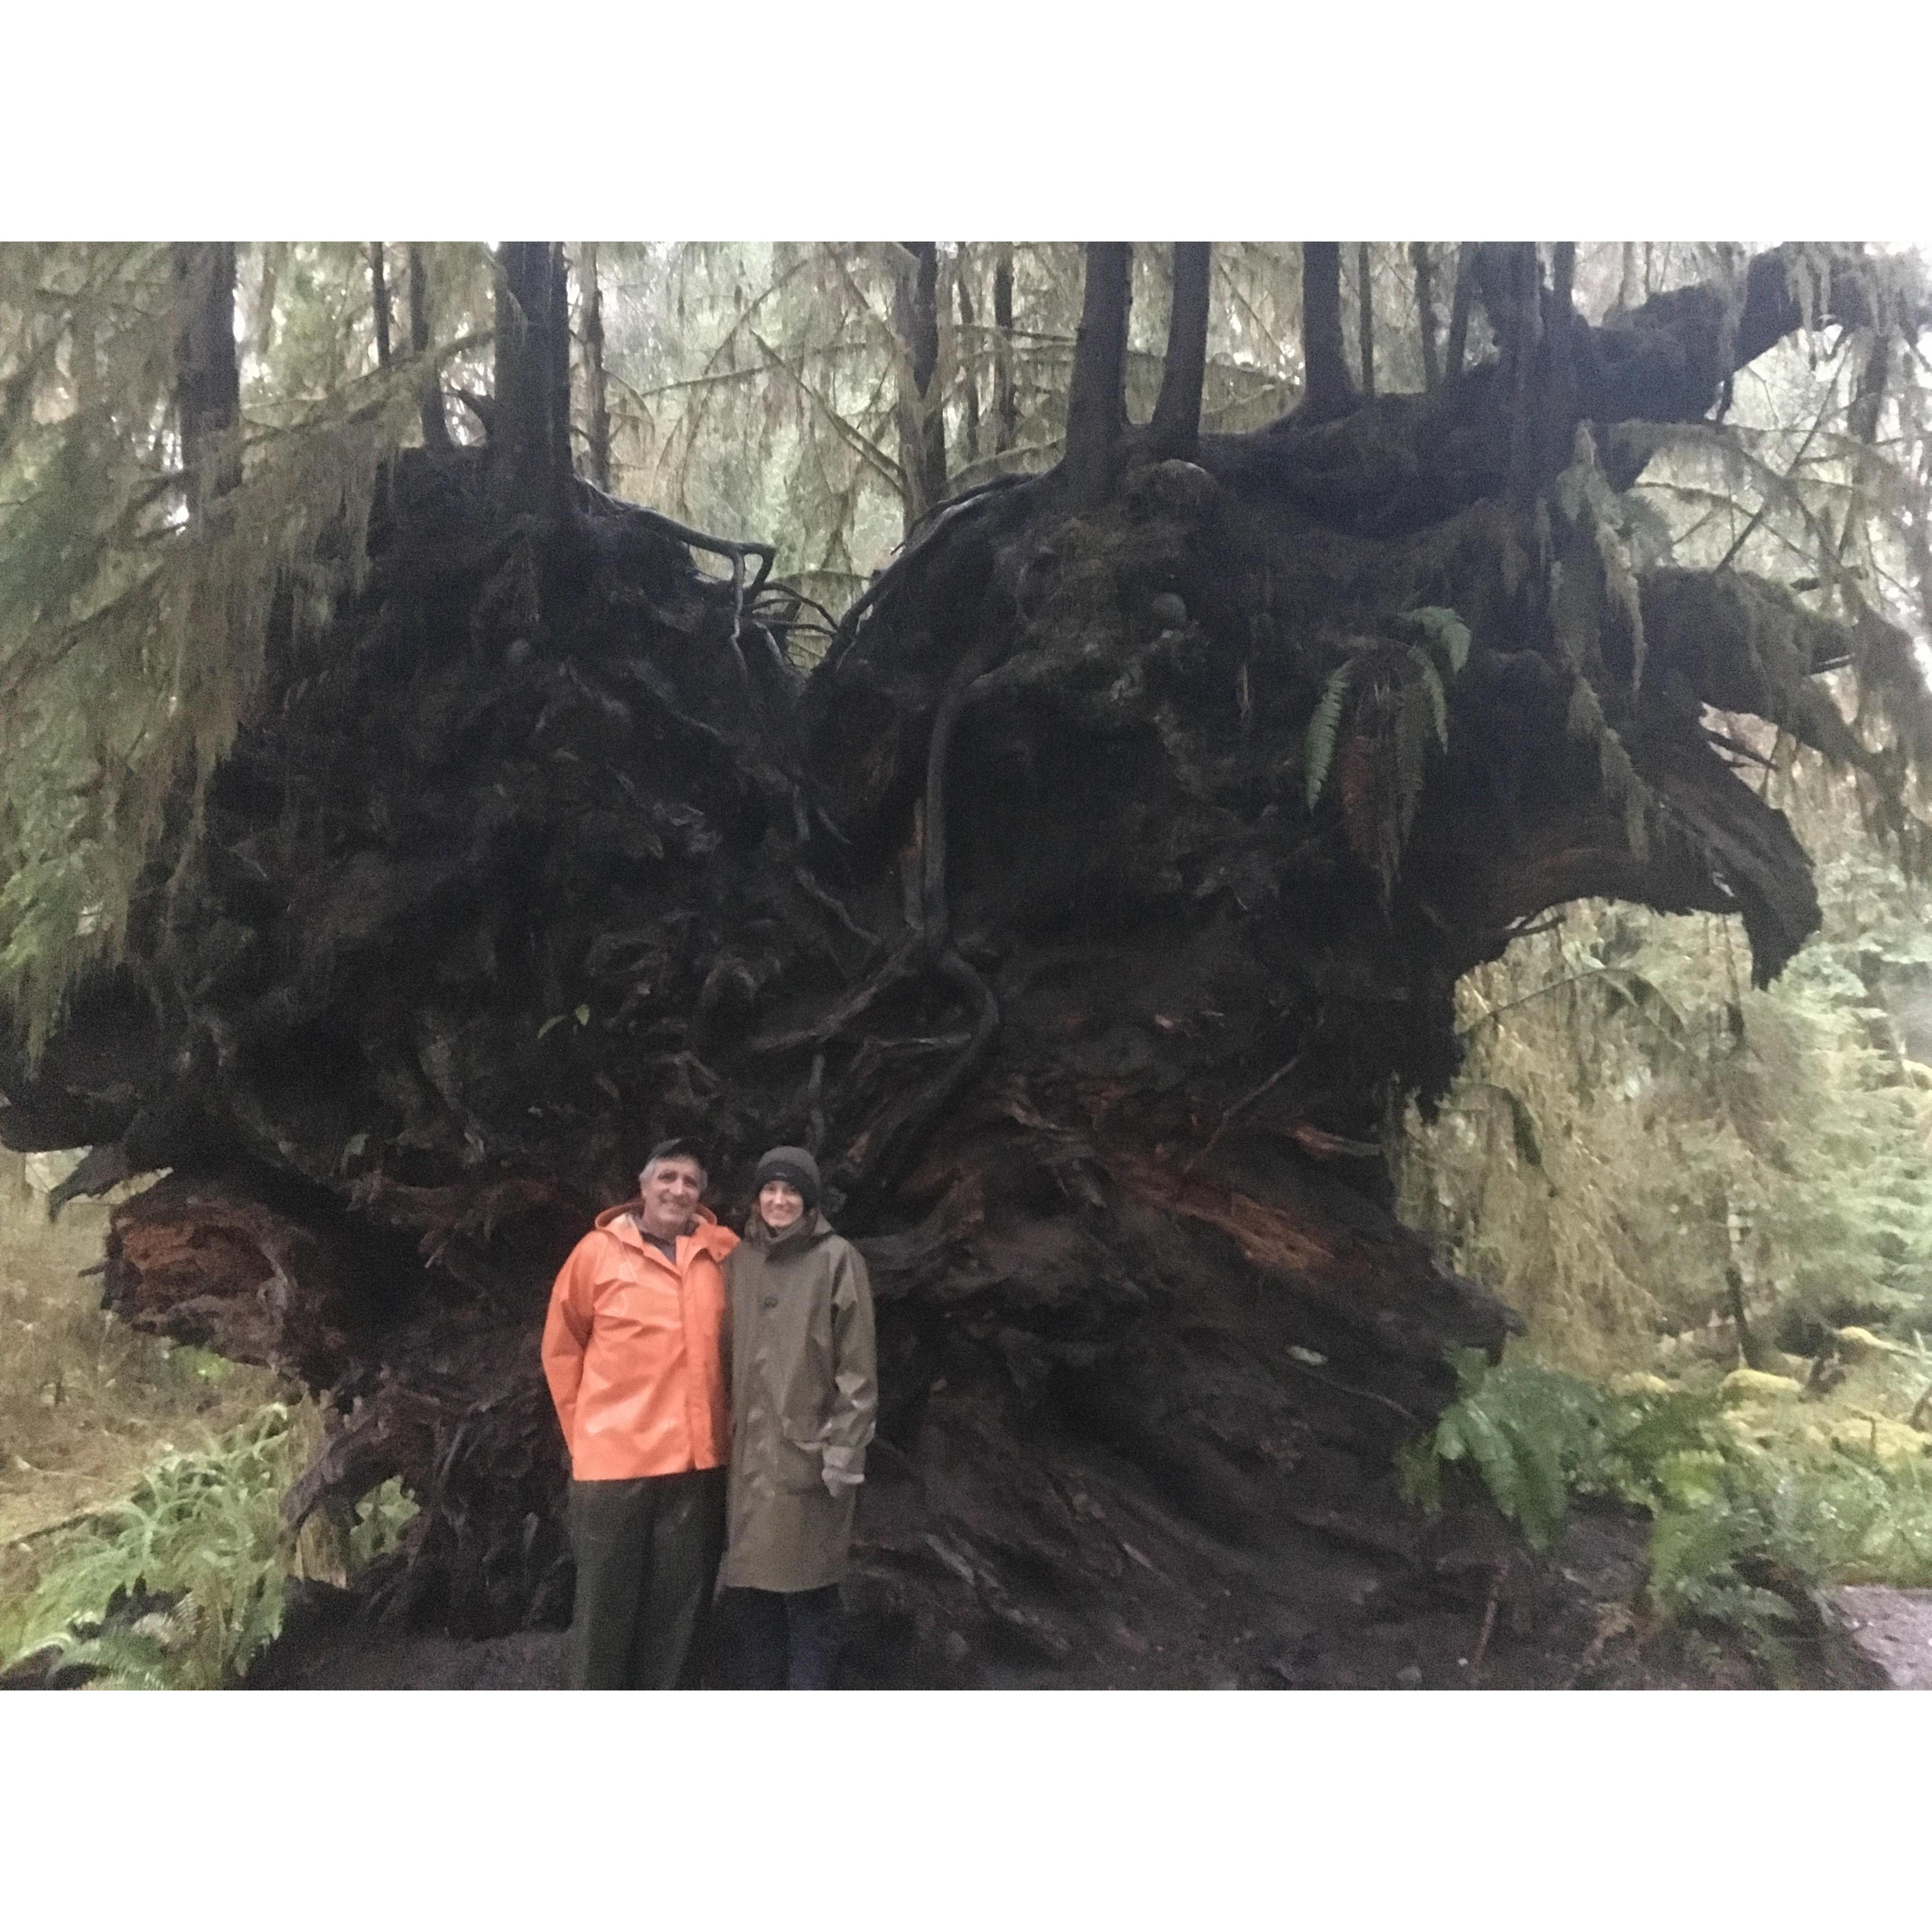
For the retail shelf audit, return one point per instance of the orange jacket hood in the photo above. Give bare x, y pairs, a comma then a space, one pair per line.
718, 1240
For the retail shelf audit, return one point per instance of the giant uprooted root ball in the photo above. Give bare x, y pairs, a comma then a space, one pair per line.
1087, 909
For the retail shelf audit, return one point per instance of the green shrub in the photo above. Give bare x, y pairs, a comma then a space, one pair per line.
203, 1533
1736, 1525
379, 1518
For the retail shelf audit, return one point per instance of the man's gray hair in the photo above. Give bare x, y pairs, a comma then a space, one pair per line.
657, 1160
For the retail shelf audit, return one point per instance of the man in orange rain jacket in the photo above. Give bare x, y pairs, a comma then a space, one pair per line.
632, 1351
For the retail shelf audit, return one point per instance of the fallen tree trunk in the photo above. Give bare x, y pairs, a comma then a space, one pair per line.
1040, 911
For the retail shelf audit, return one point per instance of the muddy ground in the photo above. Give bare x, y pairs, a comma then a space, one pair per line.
1568, 1622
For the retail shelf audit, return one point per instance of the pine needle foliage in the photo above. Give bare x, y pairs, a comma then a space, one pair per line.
1815, 479
131, 631
748, 378
755, 384
1632, 1120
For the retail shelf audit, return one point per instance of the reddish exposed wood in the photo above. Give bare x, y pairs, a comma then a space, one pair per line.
187, 1261
1384, 1284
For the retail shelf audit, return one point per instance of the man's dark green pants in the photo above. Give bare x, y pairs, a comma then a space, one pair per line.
647, 1550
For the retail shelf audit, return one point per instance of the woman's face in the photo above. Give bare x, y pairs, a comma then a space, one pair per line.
780, 1204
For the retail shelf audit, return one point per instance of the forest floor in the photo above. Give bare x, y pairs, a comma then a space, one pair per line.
1572, 1621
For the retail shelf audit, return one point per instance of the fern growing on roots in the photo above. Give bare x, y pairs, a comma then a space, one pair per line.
1400, 689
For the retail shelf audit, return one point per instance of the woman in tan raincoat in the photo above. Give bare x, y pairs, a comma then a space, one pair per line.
804, 1395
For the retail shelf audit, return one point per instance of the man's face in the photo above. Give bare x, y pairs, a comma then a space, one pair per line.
670, 1191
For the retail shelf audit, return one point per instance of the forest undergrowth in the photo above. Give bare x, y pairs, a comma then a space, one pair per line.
85, 1400
141, 1482
1713, 1207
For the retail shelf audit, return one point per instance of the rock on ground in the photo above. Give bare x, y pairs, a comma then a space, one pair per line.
1892, 1628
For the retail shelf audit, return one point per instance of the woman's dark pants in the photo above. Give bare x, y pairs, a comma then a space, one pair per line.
782, 1640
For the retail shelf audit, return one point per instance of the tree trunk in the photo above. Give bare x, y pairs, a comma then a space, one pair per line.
1626, 279
379, 296
592, 297
208, 377
1096, 398
1099, 1097
922, 411
1563, 280
1559, 404
530, 436
429, 405
1425, 314
1867, 404
1517, 314
1459, 311
969, 360
272, 255
84, 353
1327, 391
1006, 394
1176, 428
1365, 315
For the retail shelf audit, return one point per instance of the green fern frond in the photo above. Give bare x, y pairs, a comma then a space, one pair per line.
1445, 631
1726, 1514
1416, 722
1439, 699
202, 1530
1325, 726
